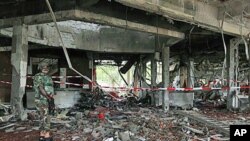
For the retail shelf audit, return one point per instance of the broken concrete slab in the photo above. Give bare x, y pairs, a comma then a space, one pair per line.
124, 136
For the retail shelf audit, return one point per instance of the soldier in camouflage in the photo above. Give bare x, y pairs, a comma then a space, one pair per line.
44, 91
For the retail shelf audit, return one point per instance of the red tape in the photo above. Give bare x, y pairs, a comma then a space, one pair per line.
188, 89
203, 88
206, 89
171, 89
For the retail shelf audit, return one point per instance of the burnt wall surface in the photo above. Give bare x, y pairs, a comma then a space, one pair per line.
78, 58
5, 75
113, 9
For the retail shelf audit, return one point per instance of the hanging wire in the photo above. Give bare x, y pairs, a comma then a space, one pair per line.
222, 35
63, 46
225, 47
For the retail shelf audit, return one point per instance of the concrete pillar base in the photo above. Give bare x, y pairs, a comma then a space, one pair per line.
19, 59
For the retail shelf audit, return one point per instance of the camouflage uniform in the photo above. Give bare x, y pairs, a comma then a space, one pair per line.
46, 82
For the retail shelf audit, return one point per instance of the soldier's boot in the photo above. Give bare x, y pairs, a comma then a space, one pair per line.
42, 135
48, 136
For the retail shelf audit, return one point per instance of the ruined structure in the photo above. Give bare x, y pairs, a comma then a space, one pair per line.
192, 46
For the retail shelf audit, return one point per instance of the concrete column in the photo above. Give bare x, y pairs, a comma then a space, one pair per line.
191, 74
136, 81
93, 70
232, 70
144, 69
165, 77
143, 74
153, 79
91, 66
63, 74
19, 59
128, 77
30, 70
183, 76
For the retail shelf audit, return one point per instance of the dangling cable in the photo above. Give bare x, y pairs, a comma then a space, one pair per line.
225, 47
63, 46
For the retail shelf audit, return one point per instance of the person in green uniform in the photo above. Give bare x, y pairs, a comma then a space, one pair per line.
44, 91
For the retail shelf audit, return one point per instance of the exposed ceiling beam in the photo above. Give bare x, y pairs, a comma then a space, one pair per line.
204, 15
37, 19
99, 18
105, 39
80, 15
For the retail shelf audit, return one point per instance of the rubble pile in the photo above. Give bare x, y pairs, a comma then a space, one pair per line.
105, 124
125, 126
224, 115
5, 113
92, 99
99, 116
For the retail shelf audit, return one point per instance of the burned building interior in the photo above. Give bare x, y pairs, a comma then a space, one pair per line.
126, 70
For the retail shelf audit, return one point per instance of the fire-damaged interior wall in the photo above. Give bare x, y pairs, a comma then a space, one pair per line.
79, 61
5, 75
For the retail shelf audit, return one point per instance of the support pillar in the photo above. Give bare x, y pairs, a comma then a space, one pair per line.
63, 73
165, 77
19, 59
143, 74
144, 69
190, 73
153, 78
183, 76
232, 73
136, 80
92, 67
129, 77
